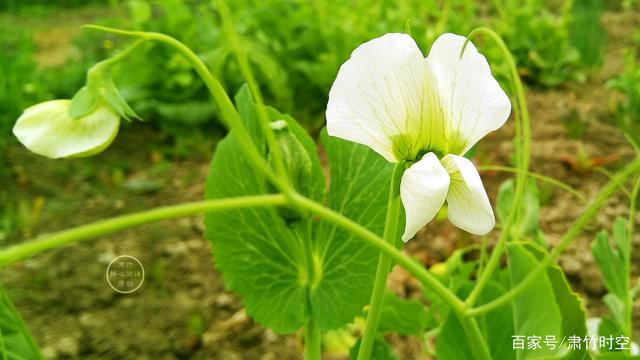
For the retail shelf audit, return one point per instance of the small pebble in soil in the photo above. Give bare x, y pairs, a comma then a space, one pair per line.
571, 266
224, 300
68, 346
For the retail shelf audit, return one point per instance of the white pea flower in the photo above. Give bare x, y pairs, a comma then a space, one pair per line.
48, 129
427, 112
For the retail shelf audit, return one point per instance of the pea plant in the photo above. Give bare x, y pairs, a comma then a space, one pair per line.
309, 253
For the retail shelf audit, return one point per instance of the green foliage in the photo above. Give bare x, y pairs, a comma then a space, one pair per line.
586, 32
547, 307
17, 5
497, 328
288, 273
16, 88
406, 317
614, 263
569, 302
527, 226
260, 256
574, 124
628, 83
23, 83
295, 162
15, 341
551, 44
524, 27
535, 310
295, 60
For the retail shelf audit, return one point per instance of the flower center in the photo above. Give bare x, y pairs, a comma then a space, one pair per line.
409, 147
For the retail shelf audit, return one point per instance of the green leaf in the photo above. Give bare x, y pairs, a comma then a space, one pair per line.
574, 321
616, 307
286, 273
614, 263
406, 317
459, 271
249, 115
452, 343
547, 303
547, 308
610, 330
16, 342
381, 350
621, 237
496, 327
535, 309
260, 257
529, 215
617, 356
360, 181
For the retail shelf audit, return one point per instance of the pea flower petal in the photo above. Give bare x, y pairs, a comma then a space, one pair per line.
376, 91
468, 204
427, 112
423, 189
47, 129
472, 100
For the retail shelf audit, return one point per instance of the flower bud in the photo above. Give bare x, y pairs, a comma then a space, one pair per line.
48, 129
297, 164
82, 126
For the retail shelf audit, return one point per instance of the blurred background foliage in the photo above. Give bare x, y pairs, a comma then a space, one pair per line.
295, 46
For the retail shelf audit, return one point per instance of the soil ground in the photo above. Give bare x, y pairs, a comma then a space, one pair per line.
183, 311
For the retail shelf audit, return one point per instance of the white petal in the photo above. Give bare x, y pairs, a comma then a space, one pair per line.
376, 92
468, 204
472, 100
423, 189
47, 129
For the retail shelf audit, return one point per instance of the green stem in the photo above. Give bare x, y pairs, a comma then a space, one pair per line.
384, 265
606, 173
24, 250
628, 308
538, 176
312, 342
243, 63
523, 139
474, 335
122, 54
104, 227
573, 231
229, 113
414, 268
